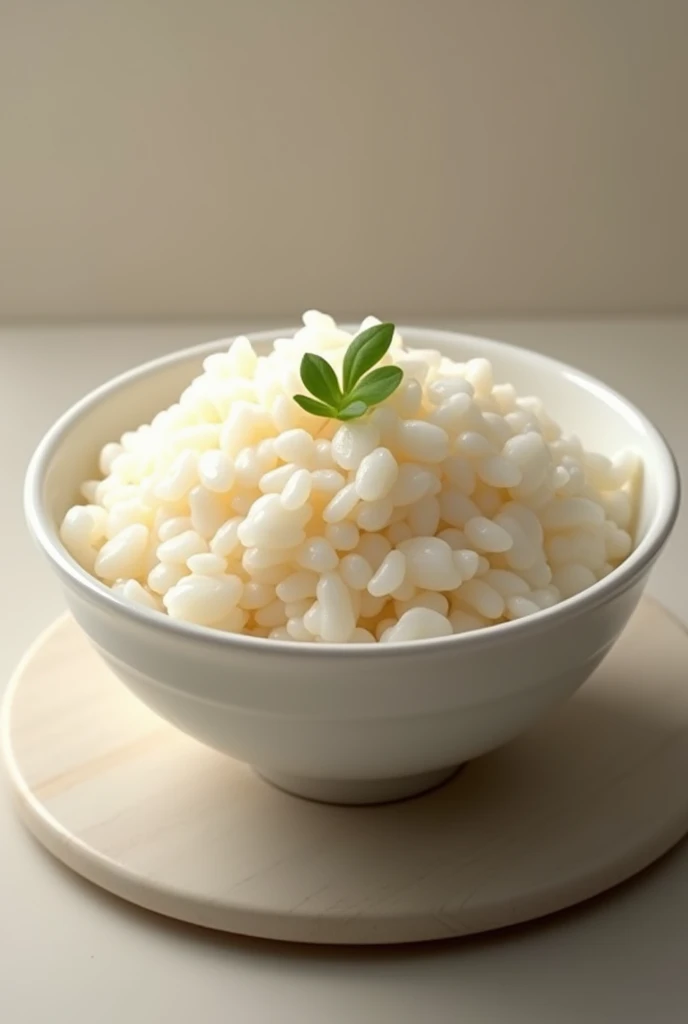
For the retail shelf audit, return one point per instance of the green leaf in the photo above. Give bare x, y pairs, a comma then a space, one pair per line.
314, 407
361, 389
320, 379
352, 411
365, 350
377, 385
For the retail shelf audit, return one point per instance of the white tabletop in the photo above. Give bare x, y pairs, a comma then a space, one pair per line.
73, 953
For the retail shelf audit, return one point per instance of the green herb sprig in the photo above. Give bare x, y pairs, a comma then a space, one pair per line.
359, 390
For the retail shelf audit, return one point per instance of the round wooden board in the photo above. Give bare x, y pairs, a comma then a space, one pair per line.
592, 795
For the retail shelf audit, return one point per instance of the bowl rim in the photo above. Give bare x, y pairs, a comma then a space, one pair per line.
638, 562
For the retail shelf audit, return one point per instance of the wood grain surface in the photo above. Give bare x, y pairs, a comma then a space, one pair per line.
589, 797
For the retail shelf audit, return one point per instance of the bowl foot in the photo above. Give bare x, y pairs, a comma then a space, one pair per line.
357, 791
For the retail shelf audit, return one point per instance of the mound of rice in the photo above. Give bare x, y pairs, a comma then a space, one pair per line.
452, 506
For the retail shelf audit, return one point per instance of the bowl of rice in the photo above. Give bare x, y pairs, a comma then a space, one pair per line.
354, 594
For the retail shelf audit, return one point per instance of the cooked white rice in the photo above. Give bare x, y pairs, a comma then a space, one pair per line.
454, 505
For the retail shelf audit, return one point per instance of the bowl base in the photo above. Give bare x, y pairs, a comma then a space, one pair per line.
358, 791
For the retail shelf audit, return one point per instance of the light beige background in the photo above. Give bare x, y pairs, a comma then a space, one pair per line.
196, 158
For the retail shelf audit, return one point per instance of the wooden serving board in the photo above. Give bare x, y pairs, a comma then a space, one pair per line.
586, 799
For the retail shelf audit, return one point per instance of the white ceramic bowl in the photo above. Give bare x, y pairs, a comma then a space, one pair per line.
364, 723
